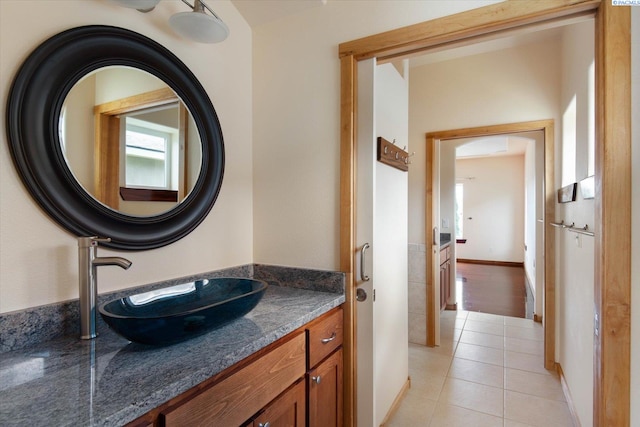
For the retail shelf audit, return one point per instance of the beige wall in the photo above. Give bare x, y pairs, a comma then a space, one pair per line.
506, 86
297, 122
494, 199
574, 252
38, 259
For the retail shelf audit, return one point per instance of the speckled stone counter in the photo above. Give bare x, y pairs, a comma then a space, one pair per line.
110, 381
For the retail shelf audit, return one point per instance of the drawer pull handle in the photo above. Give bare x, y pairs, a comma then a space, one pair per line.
328, 340
316, 379
267, 424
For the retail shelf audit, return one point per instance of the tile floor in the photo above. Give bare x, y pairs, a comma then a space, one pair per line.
488, 371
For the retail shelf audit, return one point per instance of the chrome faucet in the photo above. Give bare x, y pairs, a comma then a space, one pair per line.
88, 266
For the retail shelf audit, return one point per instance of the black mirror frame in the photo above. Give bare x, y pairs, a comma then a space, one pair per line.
33, 109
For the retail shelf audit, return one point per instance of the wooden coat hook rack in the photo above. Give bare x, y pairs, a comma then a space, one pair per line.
392, 155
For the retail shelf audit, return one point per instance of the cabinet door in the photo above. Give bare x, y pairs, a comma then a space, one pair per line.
288, 410
324, 384
443, 286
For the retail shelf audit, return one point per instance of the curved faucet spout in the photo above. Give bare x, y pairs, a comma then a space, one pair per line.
112, 260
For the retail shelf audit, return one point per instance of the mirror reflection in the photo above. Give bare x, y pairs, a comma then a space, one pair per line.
129, 141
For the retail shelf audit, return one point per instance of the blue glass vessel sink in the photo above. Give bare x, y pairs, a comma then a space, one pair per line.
175, 313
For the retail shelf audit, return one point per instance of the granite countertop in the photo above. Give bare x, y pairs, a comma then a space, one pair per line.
110, 381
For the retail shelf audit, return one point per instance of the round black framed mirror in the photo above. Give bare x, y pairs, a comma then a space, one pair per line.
34, 107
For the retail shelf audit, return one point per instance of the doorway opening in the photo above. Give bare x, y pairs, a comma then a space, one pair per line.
438, 143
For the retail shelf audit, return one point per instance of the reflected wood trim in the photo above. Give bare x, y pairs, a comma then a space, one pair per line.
107, 159
149, 99
348, 107
612, 292
183, 132
613, 194
463, 28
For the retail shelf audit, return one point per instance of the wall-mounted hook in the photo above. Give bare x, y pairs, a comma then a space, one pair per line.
391, 155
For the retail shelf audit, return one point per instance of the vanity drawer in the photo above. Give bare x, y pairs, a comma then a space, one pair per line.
238, 397
323, 337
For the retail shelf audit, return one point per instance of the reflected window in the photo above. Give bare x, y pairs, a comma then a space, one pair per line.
147, 157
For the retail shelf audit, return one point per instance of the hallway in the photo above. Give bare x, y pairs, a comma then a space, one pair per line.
488, 371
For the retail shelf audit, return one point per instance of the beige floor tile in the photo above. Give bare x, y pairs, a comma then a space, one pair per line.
536, 333
536, 411
450, 334
452, 323
477, 372
455, 416
541, 385
520, 345
477, 397
525, 362
484, 327
478, 353
486, 317
521, 323
462, 314
485, 340
424, 359
446, 347
414, 410
429, 386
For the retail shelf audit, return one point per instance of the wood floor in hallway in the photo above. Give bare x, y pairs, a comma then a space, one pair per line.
491, 289
488, 371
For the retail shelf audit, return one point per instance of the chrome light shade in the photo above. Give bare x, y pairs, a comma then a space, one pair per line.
197, 25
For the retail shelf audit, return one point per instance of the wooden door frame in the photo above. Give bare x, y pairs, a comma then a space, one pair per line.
612, 355
549, 299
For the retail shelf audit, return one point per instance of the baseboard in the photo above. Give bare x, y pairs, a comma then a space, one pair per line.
567, 396
485, 262
537, 318
397, 401
452, 307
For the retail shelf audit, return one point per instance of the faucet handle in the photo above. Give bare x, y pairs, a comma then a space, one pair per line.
88, 241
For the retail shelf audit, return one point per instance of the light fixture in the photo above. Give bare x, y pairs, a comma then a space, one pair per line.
197, 25
140, 5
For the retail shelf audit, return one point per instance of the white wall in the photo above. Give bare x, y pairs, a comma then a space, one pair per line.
38, 259
506, 86
493, 208
390, 262
297, 122
574, 252
635, 215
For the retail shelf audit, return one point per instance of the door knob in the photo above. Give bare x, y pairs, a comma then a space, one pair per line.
361, 295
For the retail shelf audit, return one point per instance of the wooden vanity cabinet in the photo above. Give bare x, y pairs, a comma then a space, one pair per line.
287, 410
445, 276
324, 376
294, 382
235, 399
